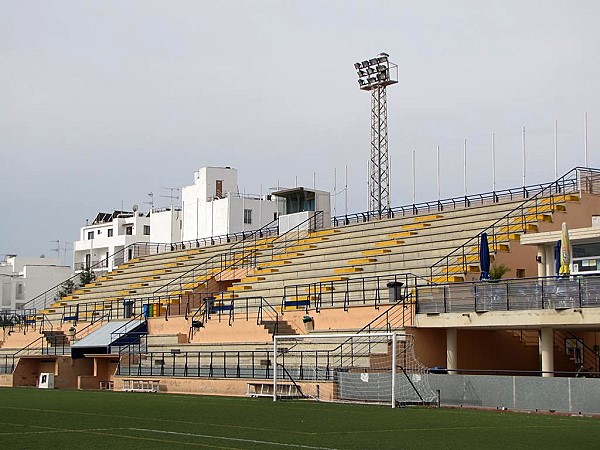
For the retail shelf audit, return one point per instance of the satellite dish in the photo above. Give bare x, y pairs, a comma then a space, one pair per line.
135, 208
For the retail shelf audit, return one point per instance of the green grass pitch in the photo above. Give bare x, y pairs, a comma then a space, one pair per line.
62, 419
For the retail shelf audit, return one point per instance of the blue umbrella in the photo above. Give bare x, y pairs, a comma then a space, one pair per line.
484, 257
557, 257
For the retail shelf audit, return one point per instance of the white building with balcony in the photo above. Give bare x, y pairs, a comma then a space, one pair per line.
214, 206
24, 278
107, 242
108, 234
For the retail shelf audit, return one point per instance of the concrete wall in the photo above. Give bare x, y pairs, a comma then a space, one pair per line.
166, 225
520, 393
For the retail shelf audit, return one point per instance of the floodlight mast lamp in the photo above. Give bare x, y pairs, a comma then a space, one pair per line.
375, 75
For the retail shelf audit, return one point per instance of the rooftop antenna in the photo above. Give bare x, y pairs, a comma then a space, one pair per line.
555, 149
171, 195
151, 202
57, 249
334, 191
494, 162
585, 138
465, 167
345, 190
437, 163
375, 75
523, 154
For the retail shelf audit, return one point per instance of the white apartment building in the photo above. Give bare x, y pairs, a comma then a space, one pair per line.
24, 278
214, 206
108, 234
101, 245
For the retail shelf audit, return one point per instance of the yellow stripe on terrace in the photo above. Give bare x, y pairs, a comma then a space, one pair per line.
241, 287
449, 279
361, 261
428, 217
402, 234
379, 251
389, 243
348, 270
332, 279
327, 232
415, 226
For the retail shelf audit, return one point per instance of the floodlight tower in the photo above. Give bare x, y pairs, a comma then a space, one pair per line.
375, 75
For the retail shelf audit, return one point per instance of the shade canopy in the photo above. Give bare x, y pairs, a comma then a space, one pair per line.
484, 257
565, 251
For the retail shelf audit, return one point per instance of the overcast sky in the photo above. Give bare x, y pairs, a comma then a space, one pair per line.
105, 101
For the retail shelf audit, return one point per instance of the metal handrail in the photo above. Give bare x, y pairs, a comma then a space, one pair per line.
352, 291
119, 255
556, 187
516, 294
439, 205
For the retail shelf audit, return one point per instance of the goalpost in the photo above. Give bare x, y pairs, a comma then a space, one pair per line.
376, 367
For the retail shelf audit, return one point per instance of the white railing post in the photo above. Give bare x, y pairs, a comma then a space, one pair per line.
394, 370
274, 368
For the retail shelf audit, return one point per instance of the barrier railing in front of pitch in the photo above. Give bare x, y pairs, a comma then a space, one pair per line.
359, 291
517, 220
306, 365
510, 295
318, 364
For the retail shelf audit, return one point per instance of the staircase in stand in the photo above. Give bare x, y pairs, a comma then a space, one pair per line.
280, 327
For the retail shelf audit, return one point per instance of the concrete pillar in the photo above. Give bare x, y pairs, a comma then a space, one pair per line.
451, 350
547, 351
541, 260
549, 262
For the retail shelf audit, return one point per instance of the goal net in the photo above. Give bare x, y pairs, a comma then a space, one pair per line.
367, 367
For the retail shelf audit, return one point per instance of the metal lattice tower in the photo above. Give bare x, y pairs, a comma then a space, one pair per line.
375, 75
379, 170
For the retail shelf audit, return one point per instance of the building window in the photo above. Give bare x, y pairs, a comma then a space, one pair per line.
20, 295
129, 231
274, 216
99, 231
247, 216
520, 273
219, 189
146, 230
110, 232
90, 235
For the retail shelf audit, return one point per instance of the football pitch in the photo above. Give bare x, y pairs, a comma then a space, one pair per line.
62, 419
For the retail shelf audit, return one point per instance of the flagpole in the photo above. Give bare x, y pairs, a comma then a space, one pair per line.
555, 149
493, 162
585, 137
465, 167
437, 159
523, 154
413, 178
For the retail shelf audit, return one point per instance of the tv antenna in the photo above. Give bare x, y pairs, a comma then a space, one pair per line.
171, 195
151, 202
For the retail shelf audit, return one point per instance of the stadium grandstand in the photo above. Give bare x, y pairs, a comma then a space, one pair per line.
353, 298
